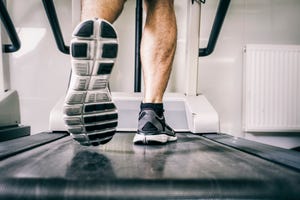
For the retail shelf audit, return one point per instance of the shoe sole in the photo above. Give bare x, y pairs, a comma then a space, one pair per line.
153, 139
90, 114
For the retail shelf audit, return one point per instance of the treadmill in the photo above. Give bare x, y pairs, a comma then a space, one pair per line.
50, 165
209, 166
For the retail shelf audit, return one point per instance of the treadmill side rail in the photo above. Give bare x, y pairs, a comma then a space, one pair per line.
16, 146
274, 154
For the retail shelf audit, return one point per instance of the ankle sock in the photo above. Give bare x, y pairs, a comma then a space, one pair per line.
157, 107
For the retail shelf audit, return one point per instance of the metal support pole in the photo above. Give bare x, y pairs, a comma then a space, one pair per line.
138, 37
216, 28
52, 17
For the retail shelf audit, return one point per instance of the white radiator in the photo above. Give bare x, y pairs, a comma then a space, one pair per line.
271, 99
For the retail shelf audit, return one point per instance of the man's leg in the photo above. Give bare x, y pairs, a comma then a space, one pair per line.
157, 54
102, 9
90, 115
158, 48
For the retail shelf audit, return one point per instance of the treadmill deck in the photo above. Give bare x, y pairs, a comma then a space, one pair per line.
192, 167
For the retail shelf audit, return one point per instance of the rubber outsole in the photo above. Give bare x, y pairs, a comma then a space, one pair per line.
90, 114
153, 139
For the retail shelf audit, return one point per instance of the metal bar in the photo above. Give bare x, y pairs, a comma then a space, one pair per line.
10, 29
52, 17
138, 37
216, 28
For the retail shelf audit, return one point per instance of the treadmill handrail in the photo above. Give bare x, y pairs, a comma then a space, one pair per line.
54, 23
138, 38
10, 29
216, 28
198, 1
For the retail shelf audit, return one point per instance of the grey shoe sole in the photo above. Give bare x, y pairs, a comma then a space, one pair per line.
90, 114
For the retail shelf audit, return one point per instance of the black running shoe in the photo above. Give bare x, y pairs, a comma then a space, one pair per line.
90, 115
153, 129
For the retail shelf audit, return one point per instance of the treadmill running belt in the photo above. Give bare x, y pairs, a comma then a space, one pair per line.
191, 168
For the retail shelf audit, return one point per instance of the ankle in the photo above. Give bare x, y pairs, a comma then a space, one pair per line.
158, 108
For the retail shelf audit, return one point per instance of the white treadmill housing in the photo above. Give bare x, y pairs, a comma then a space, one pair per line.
183, 113
10, 108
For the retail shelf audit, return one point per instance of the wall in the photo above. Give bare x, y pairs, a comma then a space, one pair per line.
220, 75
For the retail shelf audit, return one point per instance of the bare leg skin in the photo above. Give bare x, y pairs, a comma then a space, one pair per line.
157, 54
158, 48
102, 9
158, 41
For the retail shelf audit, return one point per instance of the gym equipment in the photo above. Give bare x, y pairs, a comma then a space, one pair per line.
9, 100
51, 165
211, 166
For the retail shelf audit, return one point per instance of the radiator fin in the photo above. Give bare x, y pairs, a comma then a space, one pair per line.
272, 88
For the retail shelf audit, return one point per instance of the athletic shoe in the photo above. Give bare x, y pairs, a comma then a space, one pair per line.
153, 129
90, 114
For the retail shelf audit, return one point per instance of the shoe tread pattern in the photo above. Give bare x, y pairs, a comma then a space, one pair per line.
90, 114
